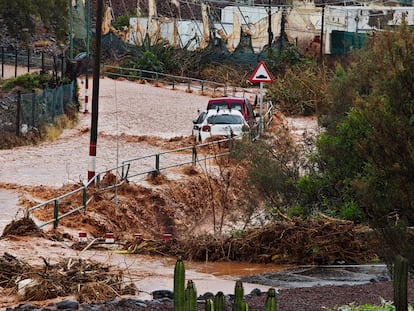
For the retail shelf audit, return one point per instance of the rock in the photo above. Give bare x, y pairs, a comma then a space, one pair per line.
208, 295
68, 304
24, 307
255, 292
157, 294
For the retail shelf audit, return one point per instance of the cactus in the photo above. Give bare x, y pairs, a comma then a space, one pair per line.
238, 296
190, 297
244, 306
271, 300
209, 305
185, 299
219, 302
400, 283
179, 285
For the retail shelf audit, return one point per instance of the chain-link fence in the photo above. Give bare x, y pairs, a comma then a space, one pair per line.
21, 113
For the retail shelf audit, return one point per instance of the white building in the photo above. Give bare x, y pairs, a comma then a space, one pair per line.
362, 19
303, 25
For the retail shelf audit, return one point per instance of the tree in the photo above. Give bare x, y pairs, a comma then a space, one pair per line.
368, 154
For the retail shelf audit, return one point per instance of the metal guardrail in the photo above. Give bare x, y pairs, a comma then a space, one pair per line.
82, 196
73, 197
175, 81
191, 157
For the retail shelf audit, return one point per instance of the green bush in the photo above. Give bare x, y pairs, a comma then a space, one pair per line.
149, 61
28, 81
121, 22
351, 211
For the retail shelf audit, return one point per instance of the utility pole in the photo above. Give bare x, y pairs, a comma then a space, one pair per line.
70, 31
95, 92
322, 30
269, 28
88, 23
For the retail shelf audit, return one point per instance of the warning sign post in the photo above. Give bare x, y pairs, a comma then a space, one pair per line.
260, 75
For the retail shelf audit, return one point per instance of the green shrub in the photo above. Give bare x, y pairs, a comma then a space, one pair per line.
351, 211
121, 22
28, 81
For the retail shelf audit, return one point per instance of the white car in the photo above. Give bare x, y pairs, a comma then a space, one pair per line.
222, 122
197, 125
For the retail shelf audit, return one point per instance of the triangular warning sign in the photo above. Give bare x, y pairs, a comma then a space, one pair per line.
261, 74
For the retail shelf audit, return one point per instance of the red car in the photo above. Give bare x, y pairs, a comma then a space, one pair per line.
237, 103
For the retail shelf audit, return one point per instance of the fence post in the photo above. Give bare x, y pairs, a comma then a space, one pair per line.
33, 108
54, 100
225, 90
43, 61
28, 60
202, 87
15, 63
18, 108
56, 214
2, 62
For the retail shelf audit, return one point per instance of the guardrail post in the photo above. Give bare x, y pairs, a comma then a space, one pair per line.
98, 180
225, 90
230, 144
173, 84
56, 214
202, 87
84, 193
189, 86
157, 163
194, 155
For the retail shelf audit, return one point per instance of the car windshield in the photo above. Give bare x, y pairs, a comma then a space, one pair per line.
236, 106
225, 119
219, 105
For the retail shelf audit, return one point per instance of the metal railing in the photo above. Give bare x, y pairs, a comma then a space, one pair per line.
177, 157
175, 81
82, 196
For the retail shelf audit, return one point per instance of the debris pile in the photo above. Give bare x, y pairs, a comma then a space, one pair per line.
87, 280
292, 241
22, 227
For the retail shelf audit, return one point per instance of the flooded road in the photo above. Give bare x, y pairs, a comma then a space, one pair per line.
8, 207
65, 161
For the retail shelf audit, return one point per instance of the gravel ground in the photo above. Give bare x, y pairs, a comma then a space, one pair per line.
303, 299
